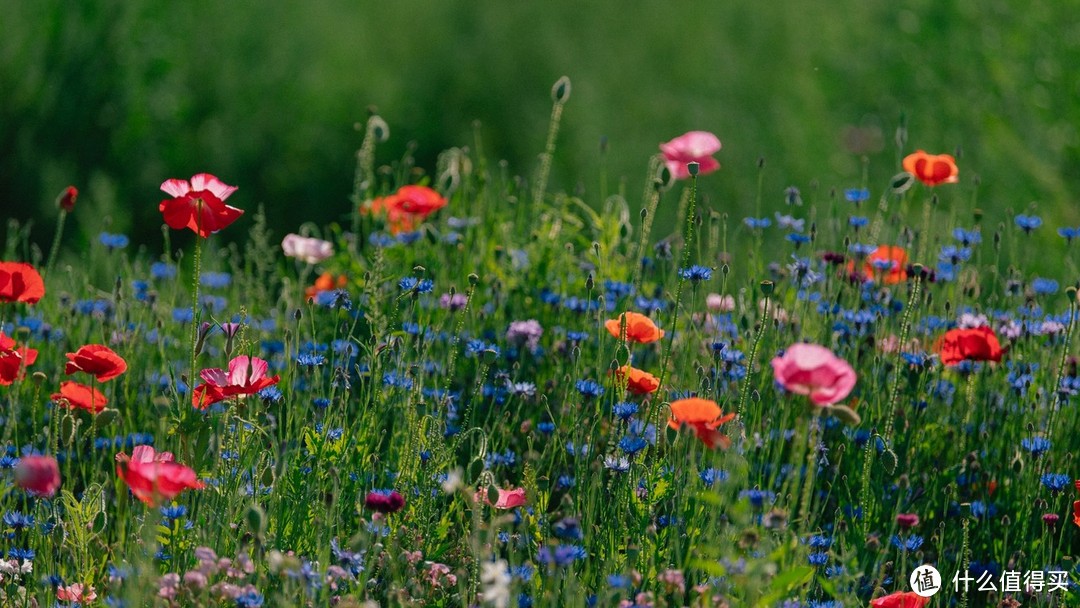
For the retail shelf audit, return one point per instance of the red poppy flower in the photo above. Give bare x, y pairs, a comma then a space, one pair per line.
97, 360
639, 328
199, 204
66, 200
905, 599
638, 381
887, 264
932, 169
407, 207
38, 475
79, 396
153, 476
246, 376
326, 282
704, 417
13, 361
20, 283
978, 344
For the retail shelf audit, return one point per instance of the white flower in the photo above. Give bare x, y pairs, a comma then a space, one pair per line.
306, 249
495, 576
453, 482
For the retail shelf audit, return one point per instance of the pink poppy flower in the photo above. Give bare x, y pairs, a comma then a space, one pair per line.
38, 475
154, 476
693, 147
246, 376
76, 593
198, 204
809, 369
508, 499
309, 250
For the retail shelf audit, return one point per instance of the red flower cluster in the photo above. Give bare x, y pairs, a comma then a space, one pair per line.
978, 344
14, 361
20, 283
198, 204
407, 207
153, 476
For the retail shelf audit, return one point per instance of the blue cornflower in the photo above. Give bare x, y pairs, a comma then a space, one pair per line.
565, 482
1055, 482
1037, 446
215, 280
758, 497
18, 520
619, 581
1043, 286
710, 476
755, 223
624, 410
632, 444
856, 195
8, 462
560, 555
567, 528
951, 254
909, 544
861, 249
858, 221
416, 285
788, 222
173, 513
162, 270
310, 360
818, 559
396, 380
183, 315
577, 336
113, 241
696, 273
819, 542
967, 237
1027, 223
797, 238
270, 394
1069, 233
618, 464
546, 428
321, 402
251, 599
590, 389
27, 554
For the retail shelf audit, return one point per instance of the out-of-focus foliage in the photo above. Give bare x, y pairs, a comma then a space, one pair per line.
115, 96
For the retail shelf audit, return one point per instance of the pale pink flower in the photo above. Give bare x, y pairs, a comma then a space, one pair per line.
76, 593
307, 249
813, 370
693, 147
718, 303
508, 499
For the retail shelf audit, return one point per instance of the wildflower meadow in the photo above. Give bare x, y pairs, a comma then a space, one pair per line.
477, 389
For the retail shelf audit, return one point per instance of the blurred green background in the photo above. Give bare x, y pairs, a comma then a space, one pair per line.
114, 96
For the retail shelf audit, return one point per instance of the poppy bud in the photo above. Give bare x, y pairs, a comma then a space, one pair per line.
66, 199
473, 278
901, 182
767, 288
256, 520
378, 128
693, 168
560, 92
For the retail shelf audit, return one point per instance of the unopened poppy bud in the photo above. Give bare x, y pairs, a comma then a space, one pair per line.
917, 269
901, 135
39, 377
901, 182
589, 283
256, 520
473, 278
644, 212
767, 288
1070, 292
379, 128
978, 214
66, 199
105, 417
692, 168
490, 356
725, 269
297, 314
560, 92
419, 270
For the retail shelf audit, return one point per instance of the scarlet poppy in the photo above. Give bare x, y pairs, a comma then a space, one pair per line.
13, 361
932, 169
79, 396
704, 417
639, 328
406, 207
198, 204
20, 283
887, 264
326, 282
154, 476
978, 344
904, 599
638, 381
246, 376
97, 360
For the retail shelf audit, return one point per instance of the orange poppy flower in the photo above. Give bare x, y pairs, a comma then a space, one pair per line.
639, 328
639, 382
932, 169
79, 396
407, 207
704, 417
887, 264
326, 282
